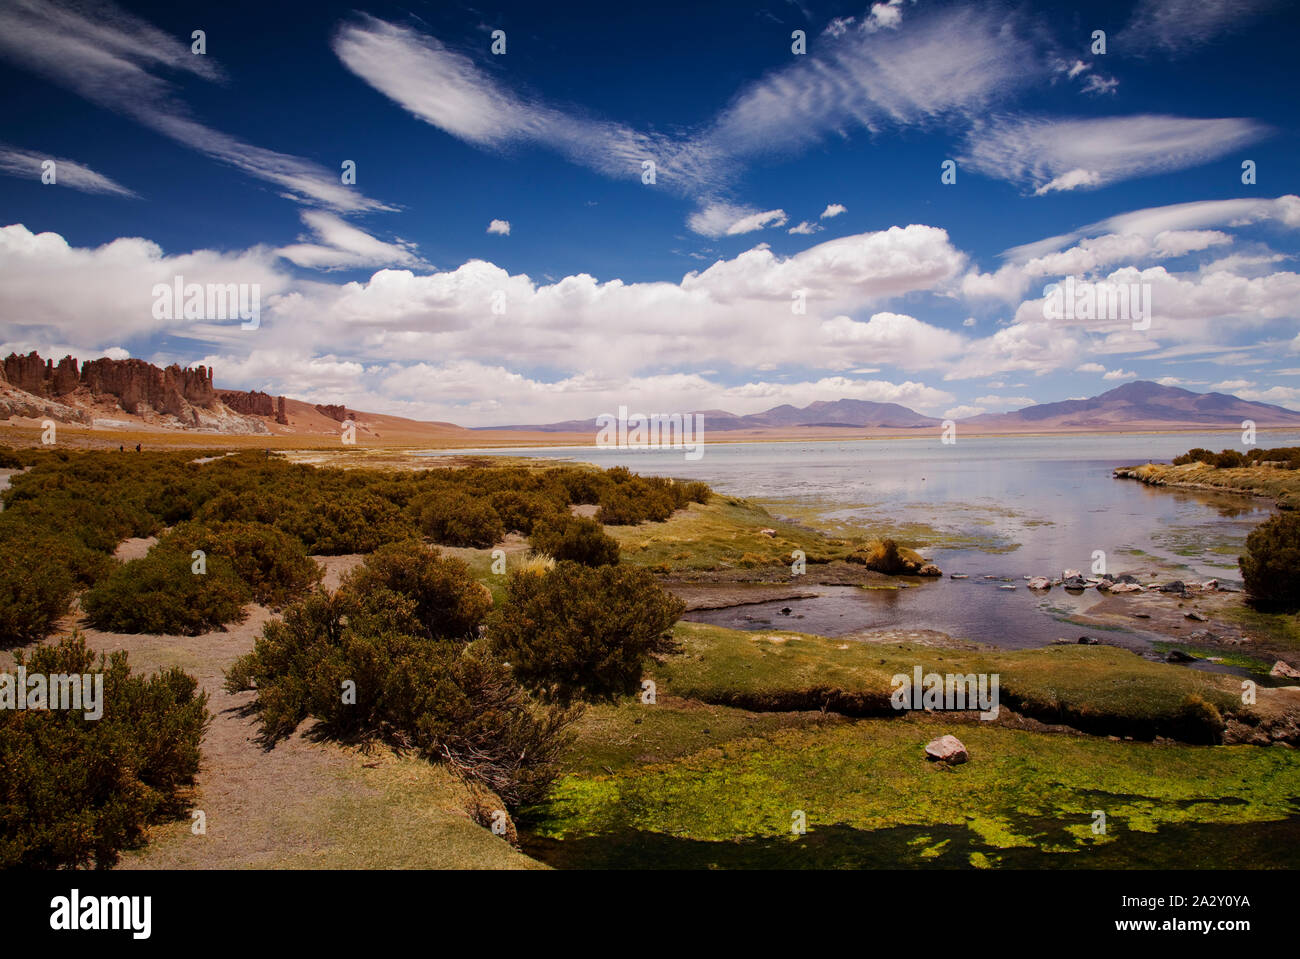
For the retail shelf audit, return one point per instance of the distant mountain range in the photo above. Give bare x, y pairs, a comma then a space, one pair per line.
133, 394
847, 413
1140, 404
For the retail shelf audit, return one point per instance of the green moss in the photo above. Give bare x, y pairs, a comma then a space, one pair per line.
1224, 656
1021, 790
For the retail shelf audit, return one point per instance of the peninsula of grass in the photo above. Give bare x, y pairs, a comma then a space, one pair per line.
1282, 486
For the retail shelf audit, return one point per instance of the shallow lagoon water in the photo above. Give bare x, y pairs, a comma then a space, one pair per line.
1000, 507
996, 507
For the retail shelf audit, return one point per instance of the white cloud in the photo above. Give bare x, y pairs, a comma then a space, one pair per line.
1287, 396
1053, 154
343, 246
1098, 85
946, 63
109, 56
1004, 402
833, 209
53, 292
805, 228
69, 173
1232, 386
499, 227
1090, 368
1119, 375
1091, 254
887, 15
725, 219
448, 90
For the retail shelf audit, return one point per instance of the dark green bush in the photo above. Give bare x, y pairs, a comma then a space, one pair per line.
273, 565
520, 511
582, 632
446, 601
458, 519
1271, 566
575, 538
75, 791
160, 593
362, 679
36, 587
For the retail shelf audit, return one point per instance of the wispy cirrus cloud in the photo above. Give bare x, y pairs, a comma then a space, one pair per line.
1050, 154
340, 245
29, 164
727, 219
1175, 27
950, 64
448, 90
114, 59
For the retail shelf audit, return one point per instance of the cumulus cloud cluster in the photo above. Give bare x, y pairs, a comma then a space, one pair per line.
475, 343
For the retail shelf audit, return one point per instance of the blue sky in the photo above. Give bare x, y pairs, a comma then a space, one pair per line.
782, 179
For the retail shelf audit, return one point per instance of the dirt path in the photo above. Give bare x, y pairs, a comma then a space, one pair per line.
302, 804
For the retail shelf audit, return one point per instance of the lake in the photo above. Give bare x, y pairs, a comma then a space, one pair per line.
999, 507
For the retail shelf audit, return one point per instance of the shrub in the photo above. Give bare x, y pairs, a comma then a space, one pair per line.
160, 593
886, 556
1199, 721
452, 702
446, 601
520, 511
695, 492
273, 565
73, 791
579, 632
634, 499
1271, 566
453, 518
38, 578
575, 538
582, 486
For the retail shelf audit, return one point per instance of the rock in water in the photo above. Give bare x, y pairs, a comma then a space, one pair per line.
1194, 616
1178, 656
1040, 582
1126, 588
1284, 670
946, 749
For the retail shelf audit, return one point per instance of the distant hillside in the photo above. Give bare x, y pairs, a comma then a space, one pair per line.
862, 414
1136, 405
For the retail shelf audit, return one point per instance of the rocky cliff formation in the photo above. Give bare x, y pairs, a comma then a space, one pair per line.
335, 412
172, 395
255, 403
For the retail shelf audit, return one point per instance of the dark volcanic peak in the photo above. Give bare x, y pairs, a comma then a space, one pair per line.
1145, 402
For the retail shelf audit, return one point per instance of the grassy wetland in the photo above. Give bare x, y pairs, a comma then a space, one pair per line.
486, 610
